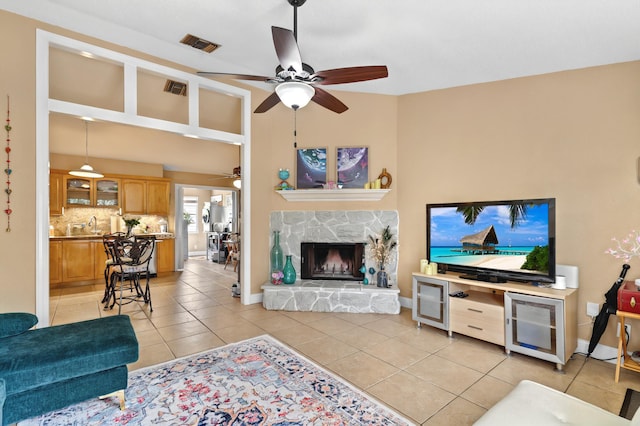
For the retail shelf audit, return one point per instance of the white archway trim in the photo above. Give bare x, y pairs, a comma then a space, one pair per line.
44, 41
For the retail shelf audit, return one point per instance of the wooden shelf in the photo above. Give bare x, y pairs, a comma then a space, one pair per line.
333, 194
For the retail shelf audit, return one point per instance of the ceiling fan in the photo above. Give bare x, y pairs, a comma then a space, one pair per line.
235, 175
297, 82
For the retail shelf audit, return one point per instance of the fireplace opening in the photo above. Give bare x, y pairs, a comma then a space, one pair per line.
331, 261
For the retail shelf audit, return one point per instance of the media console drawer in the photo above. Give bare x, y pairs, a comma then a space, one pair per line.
477, 319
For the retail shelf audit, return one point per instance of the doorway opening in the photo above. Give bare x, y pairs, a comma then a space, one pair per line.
206, 218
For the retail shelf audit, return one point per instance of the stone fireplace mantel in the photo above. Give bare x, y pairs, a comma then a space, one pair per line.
340, 226
350, 194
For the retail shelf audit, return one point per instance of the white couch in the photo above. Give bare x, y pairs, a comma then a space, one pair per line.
531, 403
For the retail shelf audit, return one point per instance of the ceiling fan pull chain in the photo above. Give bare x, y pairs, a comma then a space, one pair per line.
295, 128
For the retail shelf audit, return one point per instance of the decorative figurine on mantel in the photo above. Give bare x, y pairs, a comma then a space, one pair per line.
385, 179
283, 174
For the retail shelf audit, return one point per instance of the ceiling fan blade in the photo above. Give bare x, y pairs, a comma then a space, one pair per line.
327, 100
286, 49
233, 76
352, 74
268, 103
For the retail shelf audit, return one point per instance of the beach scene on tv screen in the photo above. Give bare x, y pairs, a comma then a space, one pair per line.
504, 237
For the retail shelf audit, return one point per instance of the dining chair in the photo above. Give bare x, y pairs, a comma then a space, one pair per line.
108, 245
132, 259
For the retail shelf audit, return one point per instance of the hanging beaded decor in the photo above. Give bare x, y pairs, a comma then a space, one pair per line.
7, 170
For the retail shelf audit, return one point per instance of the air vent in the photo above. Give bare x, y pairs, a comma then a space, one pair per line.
175, 87
199, 43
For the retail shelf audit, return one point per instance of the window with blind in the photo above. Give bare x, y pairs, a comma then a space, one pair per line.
190, 207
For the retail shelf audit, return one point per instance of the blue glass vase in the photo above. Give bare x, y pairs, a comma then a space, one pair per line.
289, 272
277, 258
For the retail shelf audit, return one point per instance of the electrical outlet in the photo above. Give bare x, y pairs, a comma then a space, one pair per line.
627, 327
593, 309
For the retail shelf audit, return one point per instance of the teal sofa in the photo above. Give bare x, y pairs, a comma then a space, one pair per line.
49, 368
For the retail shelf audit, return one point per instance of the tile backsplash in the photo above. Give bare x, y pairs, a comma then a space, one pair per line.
78, 218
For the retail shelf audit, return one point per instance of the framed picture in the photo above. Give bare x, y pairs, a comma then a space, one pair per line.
311, 167
352, 167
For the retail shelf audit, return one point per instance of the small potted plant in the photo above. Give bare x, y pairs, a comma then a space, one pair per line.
130, 222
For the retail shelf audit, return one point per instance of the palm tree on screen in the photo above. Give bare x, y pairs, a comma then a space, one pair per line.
517, 212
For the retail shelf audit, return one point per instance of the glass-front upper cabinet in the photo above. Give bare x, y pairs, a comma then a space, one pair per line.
77, 191
107, 192
87, 192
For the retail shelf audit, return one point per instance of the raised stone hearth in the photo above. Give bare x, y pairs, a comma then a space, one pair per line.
331, 296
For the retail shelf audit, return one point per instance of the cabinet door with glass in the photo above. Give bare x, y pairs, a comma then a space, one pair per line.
77, 191
431, 302
535, 326
107, 192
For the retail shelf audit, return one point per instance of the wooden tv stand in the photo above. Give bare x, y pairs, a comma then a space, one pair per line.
536, 321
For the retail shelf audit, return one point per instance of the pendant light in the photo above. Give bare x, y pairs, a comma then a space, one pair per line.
86, 171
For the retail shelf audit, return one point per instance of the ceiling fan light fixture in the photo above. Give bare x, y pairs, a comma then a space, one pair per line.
86, 171
294, 94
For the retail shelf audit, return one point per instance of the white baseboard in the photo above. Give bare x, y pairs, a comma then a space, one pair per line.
255, 298
406, 302
605, 353
197, 253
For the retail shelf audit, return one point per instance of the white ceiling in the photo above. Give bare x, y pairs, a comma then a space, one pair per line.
426, 44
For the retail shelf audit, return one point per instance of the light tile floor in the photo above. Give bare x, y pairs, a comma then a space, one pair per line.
422, 373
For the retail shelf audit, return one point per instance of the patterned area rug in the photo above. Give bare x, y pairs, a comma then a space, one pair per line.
255, 382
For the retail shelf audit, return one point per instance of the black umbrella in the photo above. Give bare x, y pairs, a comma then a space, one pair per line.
609, 307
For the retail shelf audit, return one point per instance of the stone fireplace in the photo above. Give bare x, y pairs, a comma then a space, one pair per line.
328, 277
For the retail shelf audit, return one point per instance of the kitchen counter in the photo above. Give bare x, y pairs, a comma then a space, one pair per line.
158, 235
76, 237
81, 258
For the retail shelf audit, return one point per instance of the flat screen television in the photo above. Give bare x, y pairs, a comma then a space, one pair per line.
495, 241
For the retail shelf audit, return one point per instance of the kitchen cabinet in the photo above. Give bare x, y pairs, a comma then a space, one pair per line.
107, 191
145, 197
100, 259
56, 193
89, 192
77, 191
78, 260
55, 262
165, 249
158, 198
134, 200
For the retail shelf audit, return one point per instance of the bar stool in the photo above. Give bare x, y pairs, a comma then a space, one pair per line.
233, 255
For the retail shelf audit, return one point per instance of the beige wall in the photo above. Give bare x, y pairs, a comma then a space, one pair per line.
571, 135
370, 121
17, 248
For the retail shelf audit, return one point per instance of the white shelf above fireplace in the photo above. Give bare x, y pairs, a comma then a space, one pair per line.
350, 194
